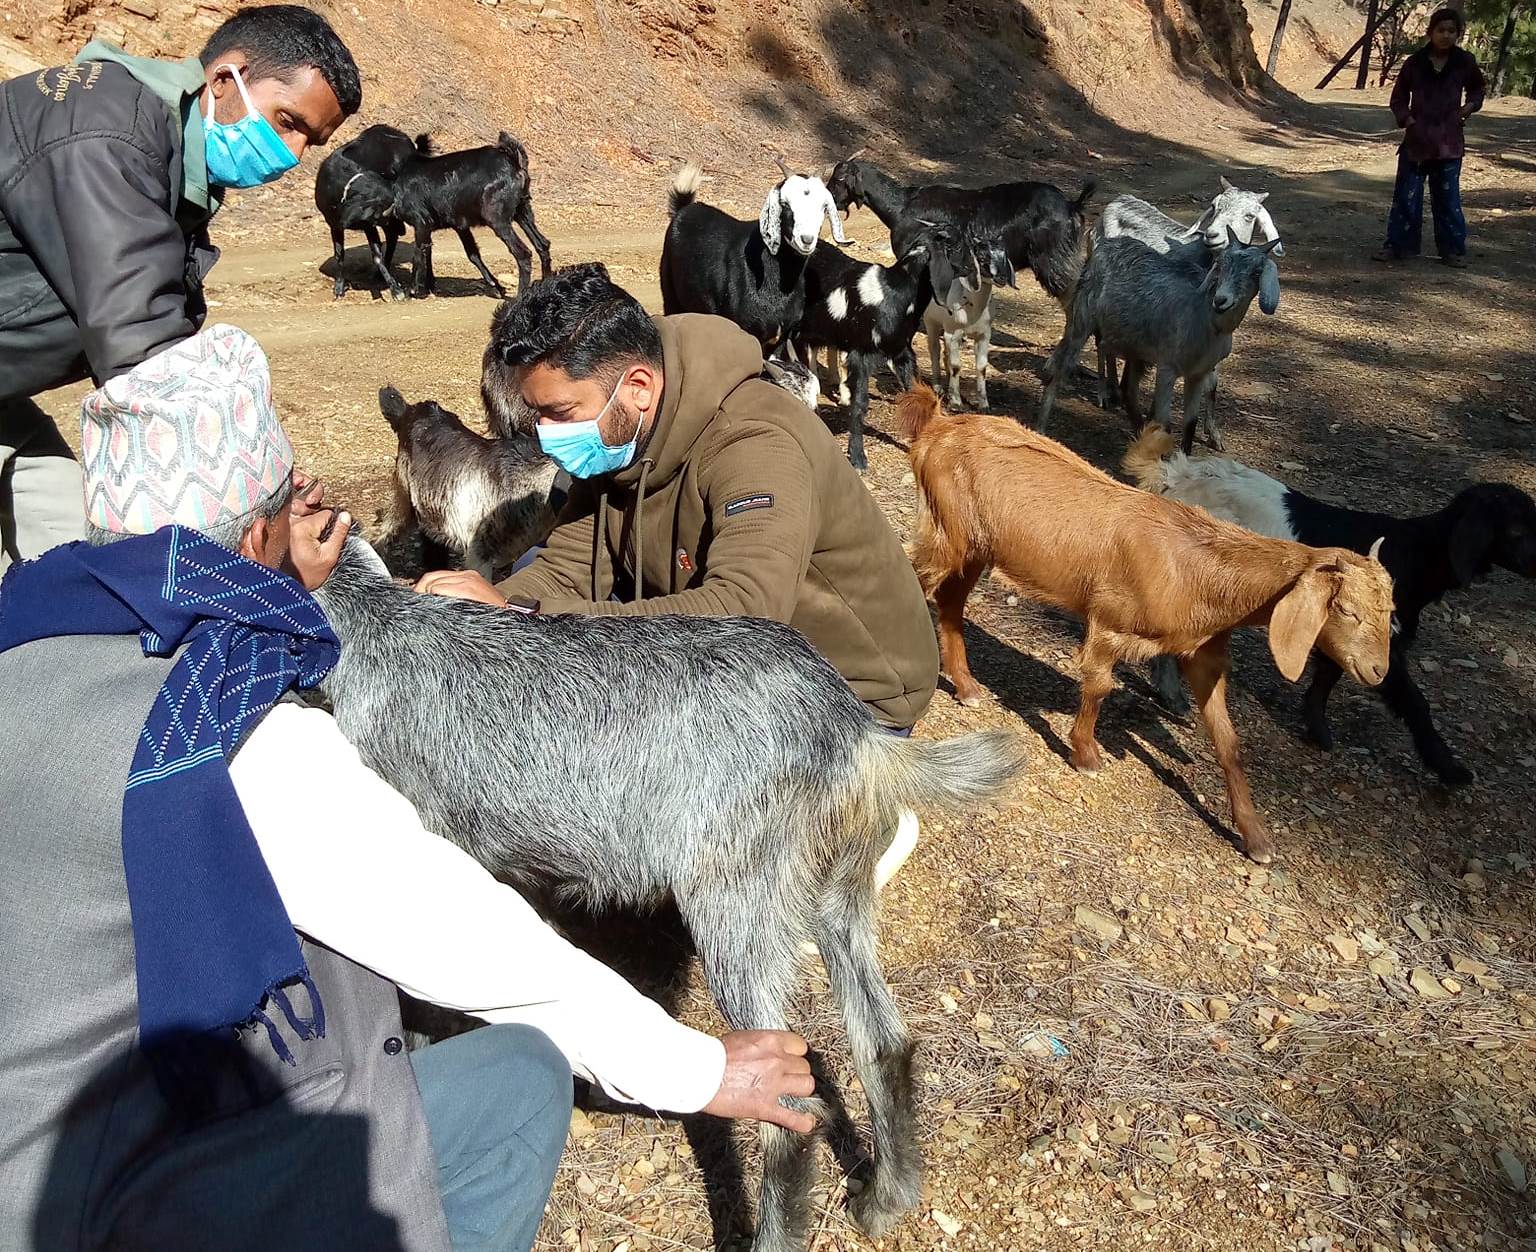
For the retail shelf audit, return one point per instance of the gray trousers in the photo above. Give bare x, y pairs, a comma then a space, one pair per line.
42, 494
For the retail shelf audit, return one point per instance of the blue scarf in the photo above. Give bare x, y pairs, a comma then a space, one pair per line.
213, 946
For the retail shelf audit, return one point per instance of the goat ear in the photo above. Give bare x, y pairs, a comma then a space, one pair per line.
1298, 619
1233, 238
1209, 281
1269, 287
834, 218
768, 221
1203, 224
941, 272
1471, 538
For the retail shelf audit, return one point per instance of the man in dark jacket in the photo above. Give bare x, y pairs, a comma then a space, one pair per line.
1439, 87
110, 169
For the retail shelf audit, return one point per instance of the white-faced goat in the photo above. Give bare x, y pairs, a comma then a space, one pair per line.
488, 499
1144, 306
750, 272
355, 190
965, 312
488, 186
769, 794
1486, 526
871, 312
1126, 215
1041, 230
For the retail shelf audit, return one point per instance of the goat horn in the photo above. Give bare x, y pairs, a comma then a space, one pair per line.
854, 156
1376, 549
783, 169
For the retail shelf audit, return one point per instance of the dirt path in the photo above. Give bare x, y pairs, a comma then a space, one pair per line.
1212, 1055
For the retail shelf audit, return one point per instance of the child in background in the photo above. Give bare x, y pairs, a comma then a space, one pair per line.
1438, 88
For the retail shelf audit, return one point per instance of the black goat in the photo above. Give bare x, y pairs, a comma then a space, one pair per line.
1042, 230
714, 263
871, 312
1485, 525
489, 499
487, 186
354, 190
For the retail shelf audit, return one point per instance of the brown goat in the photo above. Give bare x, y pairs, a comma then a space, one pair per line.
1147, 575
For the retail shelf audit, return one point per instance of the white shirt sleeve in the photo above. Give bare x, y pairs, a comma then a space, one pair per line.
359, 873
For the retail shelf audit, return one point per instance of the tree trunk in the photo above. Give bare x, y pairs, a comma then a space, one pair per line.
1274, 44
1501, 65
1365, 48
1354, 48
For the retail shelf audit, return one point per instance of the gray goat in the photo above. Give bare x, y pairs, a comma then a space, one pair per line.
718, 761
1146, 307
1126, 215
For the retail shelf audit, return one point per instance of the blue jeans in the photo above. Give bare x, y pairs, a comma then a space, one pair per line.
1405, 223
498, 1107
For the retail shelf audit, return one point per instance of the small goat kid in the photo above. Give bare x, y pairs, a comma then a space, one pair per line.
355, 190
965, 312
490, 499
1147, 576
1147, 308
768, 795
751, 272
488, 186
1485, 526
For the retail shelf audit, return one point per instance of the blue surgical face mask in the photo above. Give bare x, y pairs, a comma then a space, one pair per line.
578, 447
246, 153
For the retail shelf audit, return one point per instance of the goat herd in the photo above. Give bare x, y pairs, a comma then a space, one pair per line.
770, 836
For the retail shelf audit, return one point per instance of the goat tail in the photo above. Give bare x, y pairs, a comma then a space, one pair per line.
424, 145
513, 148
1143, 460
685, 186
915, 409
1080, 205
951, 775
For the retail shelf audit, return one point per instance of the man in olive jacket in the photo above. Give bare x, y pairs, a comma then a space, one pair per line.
110, 169
715, 491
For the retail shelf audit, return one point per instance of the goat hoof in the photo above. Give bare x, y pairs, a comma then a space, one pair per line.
876, 1212
397, 294
1455, 774
1088, 768
1320, 737
339, 290
971, 699
1260, 853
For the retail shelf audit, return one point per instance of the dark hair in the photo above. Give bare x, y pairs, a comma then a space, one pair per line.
1447, 15
577, 320
278, 39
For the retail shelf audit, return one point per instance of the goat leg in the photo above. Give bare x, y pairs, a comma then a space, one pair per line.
1130, 390
1208, 417
519, 251
394, 231
949, 598
1325, 676
376, 250
1206, 673
535, 236
472, 251
938, 343
1096, 679
421, 270
983, 350
859, 366
1404, 698
752, 977
847, 938
339, 251
904, 366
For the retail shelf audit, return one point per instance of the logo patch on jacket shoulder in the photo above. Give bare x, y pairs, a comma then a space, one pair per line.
762, 500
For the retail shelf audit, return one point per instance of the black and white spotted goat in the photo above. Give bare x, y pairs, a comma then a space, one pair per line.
1486, 526
871, 311
769, 795
751, 272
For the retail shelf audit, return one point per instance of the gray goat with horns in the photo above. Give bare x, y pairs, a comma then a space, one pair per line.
719, 761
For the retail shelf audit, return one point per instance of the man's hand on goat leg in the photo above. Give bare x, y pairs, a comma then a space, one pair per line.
314, 545
760, 1067
461, 584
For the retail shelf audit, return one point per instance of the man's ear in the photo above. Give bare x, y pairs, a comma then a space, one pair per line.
253, 544
646, 380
